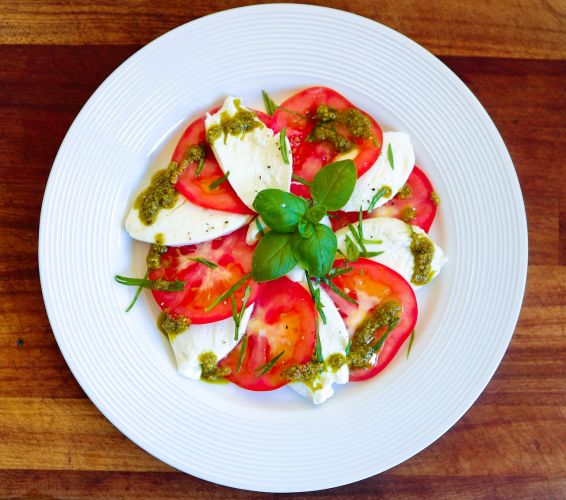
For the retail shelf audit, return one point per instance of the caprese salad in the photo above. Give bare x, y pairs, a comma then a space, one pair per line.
286, 245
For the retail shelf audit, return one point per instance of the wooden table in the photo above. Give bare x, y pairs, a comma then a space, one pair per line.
54, 442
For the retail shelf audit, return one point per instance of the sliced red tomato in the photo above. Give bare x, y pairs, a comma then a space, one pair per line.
203, 284
196, 188
421, 200
283, 321
297, 115
371, 284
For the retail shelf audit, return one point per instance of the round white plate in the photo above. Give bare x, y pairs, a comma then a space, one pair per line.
277, 441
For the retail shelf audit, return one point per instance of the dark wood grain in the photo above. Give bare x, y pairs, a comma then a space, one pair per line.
506, 28
53, 441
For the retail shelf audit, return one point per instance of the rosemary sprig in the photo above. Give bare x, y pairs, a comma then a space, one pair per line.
161, 285
283, 145
270, 106
138, 293
220, 180
234, 288
269, 365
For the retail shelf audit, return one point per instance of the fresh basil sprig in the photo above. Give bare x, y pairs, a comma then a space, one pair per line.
296, 235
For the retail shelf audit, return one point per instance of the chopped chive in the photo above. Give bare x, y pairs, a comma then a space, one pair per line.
270, 106
300, 180
372, 242
287, 110
283, 145
358, 238
411, 340
220, 180
341, 253
269, 365
318, 346
242, 352
315, 294
228, 292
369, 255
337, 271
381, 341
199, 167
161, 285
138, 292
239, 315
380, 194
202, 260
348, 347
339, 292
390, 156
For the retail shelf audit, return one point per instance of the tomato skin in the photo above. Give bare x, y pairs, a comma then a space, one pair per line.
203, 284
280, 303
385, 284
310, 157
421, 199
196, 189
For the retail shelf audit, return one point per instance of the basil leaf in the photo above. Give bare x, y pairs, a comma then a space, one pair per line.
316, 254
314, 214
333, 185
280, 210
273, 257
305, 228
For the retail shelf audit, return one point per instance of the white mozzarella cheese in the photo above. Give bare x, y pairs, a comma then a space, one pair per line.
217, 337
395, 236
333, 340
184, 224
381, 174
254, 161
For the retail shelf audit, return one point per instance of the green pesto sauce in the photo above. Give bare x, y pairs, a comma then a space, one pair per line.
361, 350
423, 252
408, 214
405, 192
308, 372
154, 254
238, 124
435, 198
358, 124
159, 194
195, 153
211, 372
336, 361
172, 325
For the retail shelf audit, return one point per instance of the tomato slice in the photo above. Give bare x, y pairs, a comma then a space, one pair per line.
196, 189
421, 199
297, 115
203, 285
372, 284
283, 321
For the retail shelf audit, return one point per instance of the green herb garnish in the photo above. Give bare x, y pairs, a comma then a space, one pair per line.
234, 288
339, 271
333, 185
300, 180
348, 347
270, 106
390, 156
204, 261
239, 315
315, 294
317, 345
220, 180
381, 341
411, 341
316, 253
259, 226
269, 365
138, 292
383, 191
273, 257
280, 210
199, 167
242, 352
337, 291
283, 145
159, 284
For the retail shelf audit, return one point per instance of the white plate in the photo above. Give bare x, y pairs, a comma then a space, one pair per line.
278, 442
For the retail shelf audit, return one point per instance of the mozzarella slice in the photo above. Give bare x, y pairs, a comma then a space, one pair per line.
254, 160
396, 237
217, 337
333, 340
184, 224
382, 175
